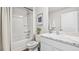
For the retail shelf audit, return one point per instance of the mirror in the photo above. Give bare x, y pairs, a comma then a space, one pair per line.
64, 18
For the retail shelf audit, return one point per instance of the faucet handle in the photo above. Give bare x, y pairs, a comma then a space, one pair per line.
53, 28
61, 29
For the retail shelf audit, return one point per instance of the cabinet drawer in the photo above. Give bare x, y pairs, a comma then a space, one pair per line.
62, 46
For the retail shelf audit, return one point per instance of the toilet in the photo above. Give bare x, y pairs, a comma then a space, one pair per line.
32, 45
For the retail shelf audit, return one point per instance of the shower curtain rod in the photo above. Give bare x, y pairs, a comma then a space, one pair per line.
28, 8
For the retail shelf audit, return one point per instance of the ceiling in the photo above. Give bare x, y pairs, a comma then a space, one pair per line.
51, 9
29, 8
54, 9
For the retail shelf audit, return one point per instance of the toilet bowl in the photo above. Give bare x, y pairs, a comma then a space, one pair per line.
32, 45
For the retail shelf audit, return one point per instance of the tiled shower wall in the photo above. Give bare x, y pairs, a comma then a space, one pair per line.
20, 29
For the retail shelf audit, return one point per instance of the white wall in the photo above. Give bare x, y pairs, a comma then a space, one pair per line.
45, 17
55, 17
44, 11
34, 20
55, 20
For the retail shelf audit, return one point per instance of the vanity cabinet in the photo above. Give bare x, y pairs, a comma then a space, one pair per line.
48, 47
52, 45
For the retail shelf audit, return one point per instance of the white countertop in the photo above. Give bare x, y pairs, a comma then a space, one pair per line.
65, 37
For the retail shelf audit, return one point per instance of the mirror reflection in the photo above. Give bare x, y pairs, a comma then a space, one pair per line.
65, 19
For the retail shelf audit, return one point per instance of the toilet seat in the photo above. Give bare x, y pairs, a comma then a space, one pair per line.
31, 44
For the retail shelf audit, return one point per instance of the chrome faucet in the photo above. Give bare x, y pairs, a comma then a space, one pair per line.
58, 31
51, 29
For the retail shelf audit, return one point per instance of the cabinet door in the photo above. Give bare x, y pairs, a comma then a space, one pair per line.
47, 47
60, 46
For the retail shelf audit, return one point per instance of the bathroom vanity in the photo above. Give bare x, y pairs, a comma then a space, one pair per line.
61, 42
66, 24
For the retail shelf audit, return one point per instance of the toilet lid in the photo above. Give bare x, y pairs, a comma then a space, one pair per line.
32, 44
